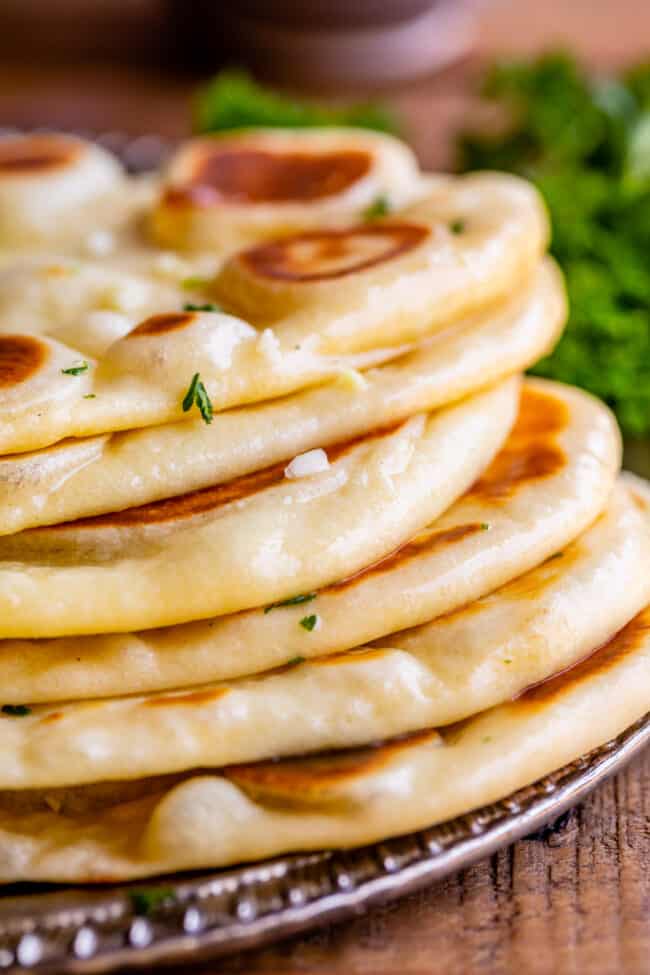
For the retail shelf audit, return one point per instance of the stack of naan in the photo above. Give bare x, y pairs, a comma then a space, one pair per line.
291, 555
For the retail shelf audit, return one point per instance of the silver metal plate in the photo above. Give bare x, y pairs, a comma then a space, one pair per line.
208, 914
213, 913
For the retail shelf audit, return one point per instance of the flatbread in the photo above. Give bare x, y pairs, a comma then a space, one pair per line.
440, 673
48, 182
87, 305
550, 481
119, 831
226, 192
95, 475
343, 298
255, 540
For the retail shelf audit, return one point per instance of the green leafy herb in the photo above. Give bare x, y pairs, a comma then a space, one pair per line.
484, 526
295, 661
585, 143
457, 226
293, 601
194, 283
197, 395
147, 899
208, 306
76, 369
233, 100
90, 396
309, 622
16, 710
379, 207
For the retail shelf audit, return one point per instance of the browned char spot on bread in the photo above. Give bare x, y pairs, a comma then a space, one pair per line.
250, 175
33, 154
600, 660
531, 452
323, 255
160, 324
20, 357
210, 498
423, 543
312, 777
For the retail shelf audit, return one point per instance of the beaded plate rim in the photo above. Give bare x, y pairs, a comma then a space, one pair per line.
83, 931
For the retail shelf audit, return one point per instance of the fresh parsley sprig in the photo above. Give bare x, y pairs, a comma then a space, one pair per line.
585, 142
197, 395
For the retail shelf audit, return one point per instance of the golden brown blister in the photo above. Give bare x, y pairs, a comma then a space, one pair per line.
225, 192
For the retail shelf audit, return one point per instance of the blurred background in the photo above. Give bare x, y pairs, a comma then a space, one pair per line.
556, 90
131, 64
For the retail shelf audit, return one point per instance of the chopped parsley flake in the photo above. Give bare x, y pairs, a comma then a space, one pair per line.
197, 395
295, 661
208, 306
90, 396
146, 900
16, 710
309, 622
379, 207
484, 526
457, 226
293, 601
76, 369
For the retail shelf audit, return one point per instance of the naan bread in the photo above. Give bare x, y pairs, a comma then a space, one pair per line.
87, 305
440, 673
225, 192
95, 475
549, 482
48, 182
255, 540
340, 298
118, 831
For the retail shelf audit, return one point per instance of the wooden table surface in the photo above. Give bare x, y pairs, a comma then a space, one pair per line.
577, 898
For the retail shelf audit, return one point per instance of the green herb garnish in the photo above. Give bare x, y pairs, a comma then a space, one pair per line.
147, 899
233, 100
194, 283
585, 143
208, 306
457, 226
293, 601
378, 208
197, 395
309, 622
90, 396
16, 710
76, 369
484, 526
295, 661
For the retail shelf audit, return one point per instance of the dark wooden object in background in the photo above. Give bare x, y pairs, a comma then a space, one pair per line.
577, 900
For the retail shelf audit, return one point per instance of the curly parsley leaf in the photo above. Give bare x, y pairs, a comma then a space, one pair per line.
234, 100
585, 143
